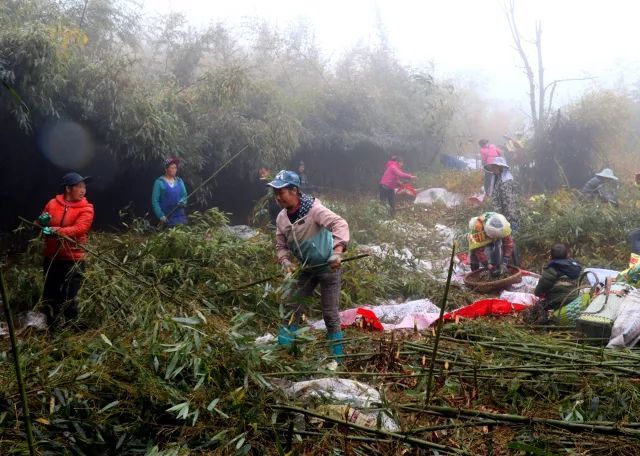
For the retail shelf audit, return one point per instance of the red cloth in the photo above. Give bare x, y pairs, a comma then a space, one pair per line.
392, 175
73, 219
406, 189
370, 318
485, 307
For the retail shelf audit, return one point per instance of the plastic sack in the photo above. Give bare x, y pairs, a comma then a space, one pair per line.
431, 196
631, 275
340, 390
359, 417
626, 329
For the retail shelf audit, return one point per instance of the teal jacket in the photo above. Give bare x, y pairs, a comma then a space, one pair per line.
159, 197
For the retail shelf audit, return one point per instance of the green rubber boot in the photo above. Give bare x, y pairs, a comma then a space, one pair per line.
336, 346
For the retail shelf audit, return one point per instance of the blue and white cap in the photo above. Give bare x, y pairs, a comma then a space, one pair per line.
285, 178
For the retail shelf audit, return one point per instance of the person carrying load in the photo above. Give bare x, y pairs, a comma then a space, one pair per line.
316, 237
490, 243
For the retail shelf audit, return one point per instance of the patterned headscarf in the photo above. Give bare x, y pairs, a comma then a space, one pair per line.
306, 201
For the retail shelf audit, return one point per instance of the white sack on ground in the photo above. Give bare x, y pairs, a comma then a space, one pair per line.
626, 328
431, 196
334, 390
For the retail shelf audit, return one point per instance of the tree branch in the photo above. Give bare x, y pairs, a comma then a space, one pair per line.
515, 34
553, 84
541, 88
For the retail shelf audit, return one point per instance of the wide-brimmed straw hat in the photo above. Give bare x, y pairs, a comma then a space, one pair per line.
607, 174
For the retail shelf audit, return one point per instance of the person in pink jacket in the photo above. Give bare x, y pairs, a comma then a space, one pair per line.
390, 181
488, 152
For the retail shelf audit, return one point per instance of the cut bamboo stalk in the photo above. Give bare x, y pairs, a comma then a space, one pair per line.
16, 363
394, 435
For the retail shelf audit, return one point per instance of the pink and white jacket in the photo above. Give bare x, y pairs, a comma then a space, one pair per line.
392, 175
488, 153
313, 237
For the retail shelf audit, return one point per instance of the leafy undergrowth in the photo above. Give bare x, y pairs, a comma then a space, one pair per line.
166, 362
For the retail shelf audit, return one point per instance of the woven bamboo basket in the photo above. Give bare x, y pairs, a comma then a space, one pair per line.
472, 280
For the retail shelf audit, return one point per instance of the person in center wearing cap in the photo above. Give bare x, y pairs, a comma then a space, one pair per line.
601, 186
169, 196
317, 238
490, 243
68, 215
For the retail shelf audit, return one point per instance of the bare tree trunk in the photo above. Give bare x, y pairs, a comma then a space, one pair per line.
541, 87
515, 34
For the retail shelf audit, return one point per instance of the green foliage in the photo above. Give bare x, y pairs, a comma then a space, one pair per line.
596, 233
592, 133
146, 89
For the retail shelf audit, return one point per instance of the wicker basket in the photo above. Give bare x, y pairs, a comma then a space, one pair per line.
472, 280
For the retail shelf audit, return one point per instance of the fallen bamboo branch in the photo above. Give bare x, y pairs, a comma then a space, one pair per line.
278, 276
16, 363
393, 435
439, 327
574, 427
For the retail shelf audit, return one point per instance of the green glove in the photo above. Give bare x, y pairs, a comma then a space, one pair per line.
47, 231
44, 219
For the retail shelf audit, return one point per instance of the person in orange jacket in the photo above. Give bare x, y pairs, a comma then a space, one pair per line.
69, 214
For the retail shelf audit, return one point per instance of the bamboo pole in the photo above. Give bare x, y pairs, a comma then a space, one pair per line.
574, 427
206, 181
439, 327
109, 261
393, 435
16, 363
277, 276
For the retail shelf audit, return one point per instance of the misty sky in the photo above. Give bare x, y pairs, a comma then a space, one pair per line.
463, 38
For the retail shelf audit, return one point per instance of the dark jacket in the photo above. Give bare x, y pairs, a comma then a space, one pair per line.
558, 282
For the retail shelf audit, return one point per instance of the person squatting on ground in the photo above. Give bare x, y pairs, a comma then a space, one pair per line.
390, 181
601, 186
503, 193
68, 214
169, 195
559, 280
316, 236
490, 243
488, 152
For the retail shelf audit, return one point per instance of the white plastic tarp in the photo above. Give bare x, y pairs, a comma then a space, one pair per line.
517, 297
601, 273
419, 314
431, 196
527, 284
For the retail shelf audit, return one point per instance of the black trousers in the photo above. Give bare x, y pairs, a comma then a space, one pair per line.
389, 195
62, 281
